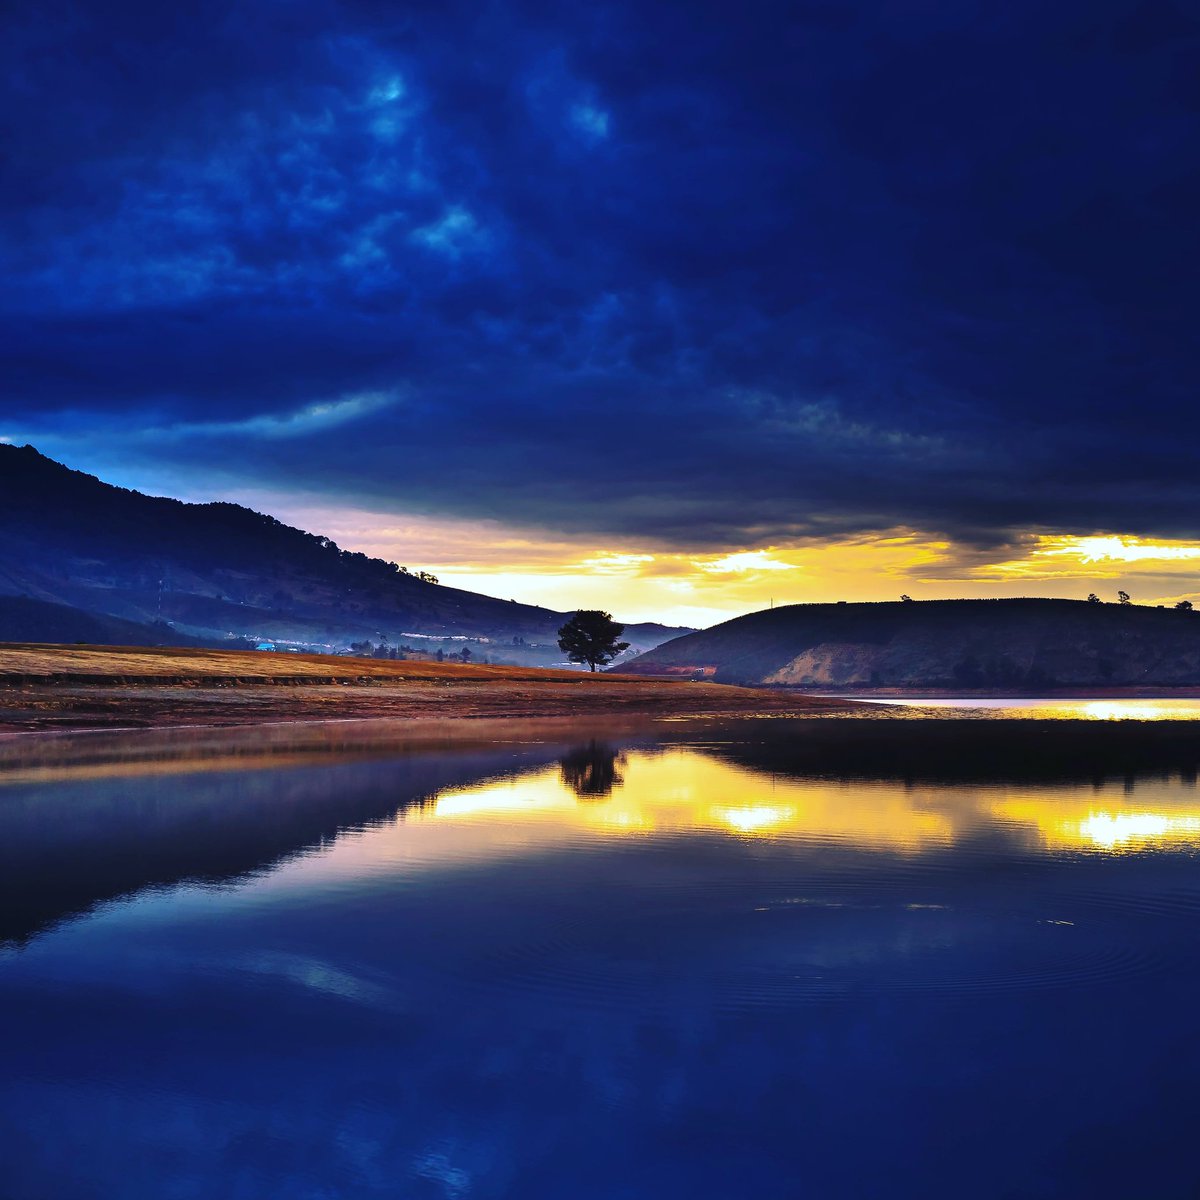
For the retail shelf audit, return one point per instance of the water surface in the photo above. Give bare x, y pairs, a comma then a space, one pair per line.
771, 959
1119, 708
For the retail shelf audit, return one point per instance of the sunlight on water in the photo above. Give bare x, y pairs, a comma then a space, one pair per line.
684, 790
687, 791
1132, 710
1170, 709
1115, 830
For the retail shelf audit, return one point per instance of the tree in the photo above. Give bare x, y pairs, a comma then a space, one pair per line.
1184, 606
1123, 598
590, 636
907, 599
1093, 598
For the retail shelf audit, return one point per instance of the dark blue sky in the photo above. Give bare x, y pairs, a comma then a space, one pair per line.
705, 275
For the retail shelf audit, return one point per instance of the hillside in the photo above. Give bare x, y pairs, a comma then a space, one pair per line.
967, 644
26, 620
218, 571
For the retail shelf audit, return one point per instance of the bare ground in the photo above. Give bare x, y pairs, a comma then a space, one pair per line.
108, 687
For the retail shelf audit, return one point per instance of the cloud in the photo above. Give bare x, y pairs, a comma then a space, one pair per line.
744, 561
453, 233
815, 279
1113, 548
592, 122
304, 422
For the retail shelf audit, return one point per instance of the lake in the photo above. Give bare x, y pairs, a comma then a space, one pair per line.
774, 958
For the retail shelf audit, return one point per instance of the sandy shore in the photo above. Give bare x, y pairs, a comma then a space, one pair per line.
46, 688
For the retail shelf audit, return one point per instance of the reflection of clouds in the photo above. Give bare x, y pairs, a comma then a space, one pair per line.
754, 817
1185, 709
684, 790
1134, 710
1074, 820
319, 976
1113, 830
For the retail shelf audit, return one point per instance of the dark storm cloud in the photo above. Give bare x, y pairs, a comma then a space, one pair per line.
698, 273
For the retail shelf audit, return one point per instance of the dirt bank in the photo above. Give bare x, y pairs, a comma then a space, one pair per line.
108, 687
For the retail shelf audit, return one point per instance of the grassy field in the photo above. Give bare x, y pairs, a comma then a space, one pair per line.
34, 662
45, 687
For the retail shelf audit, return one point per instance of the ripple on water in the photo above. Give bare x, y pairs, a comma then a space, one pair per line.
736, 945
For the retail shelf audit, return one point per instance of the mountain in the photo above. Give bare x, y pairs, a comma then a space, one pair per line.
26, 620
212, 572
995, 644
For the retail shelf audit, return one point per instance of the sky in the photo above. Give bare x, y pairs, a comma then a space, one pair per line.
676, 309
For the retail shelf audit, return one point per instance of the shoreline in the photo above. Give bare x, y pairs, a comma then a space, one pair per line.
76, 689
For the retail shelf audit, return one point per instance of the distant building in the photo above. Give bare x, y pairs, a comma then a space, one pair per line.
265, 646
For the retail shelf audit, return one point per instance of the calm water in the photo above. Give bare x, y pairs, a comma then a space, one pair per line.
1115, 709
777, 959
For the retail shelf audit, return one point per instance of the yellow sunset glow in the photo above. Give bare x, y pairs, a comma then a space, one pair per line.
1100, 556
1117, 549
747, 560
702, 586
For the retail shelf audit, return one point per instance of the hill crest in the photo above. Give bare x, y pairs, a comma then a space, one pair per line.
218, 570
1006, 644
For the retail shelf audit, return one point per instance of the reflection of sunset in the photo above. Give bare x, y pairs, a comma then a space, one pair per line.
1128, 710
683, 790
1111, 830
686, 791
506, 797
1182, 709
754, 817
675, 791
1105, 819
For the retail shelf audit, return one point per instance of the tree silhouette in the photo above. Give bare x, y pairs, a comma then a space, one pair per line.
590, 636
1184, 606
591, 771
1093, 598
1123, 598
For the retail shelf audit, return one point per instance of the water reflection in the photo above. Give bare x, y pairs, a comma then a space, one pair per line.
1178, 708
69, 843
773, 959
591, 770
691, 789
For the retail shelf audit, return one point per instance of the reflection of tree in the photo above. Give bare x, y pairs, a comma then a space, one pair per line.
591, 770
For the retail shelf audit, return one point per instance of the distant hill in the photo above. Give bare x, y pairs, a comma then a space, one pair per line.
26, 620
216, 571
992, 644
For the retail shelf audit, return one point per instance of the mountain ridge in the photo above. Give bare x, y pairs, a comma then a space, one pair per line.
219, 570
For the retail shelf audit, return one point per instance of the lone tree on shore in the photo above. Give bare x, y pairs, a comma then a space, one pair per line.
590, 636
